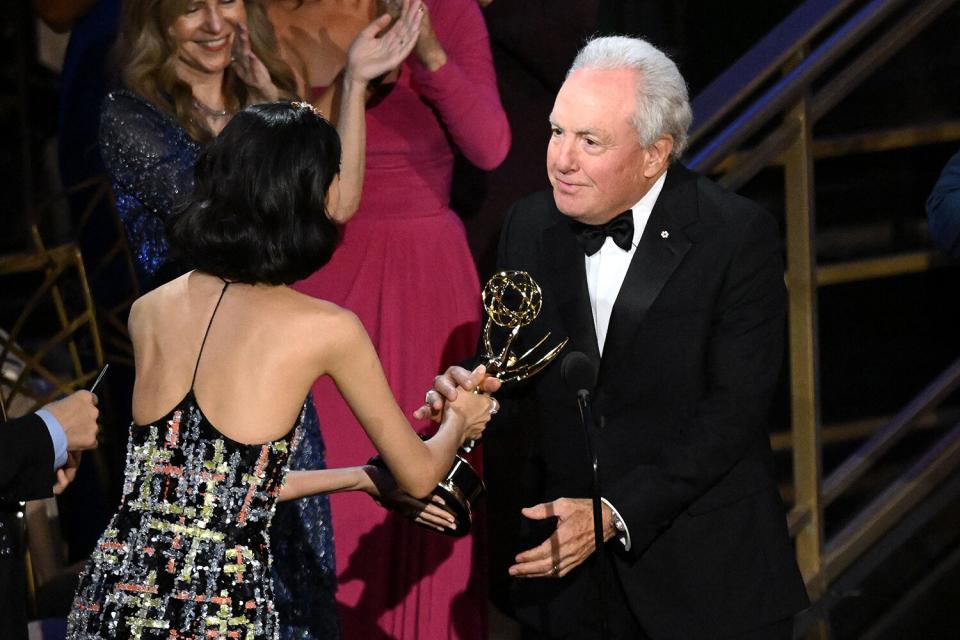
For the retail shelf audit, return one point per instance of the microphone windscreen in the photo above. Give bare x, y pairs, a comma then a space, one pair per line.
578, 372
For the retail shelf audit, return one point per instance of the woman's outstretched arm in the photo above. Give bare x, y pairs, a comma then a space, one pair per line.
375, 482
299, 484
349, 358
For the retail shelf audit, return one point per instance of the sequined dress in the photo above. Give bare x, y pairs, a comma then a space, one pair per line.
188, 553
150, 159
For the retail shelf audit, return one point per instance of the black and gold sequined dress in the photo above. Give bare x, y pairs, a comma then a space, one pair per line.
150, 158
188, 553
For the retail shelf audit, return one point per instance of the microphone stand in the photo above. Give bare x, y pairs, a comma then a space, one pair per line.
589, 428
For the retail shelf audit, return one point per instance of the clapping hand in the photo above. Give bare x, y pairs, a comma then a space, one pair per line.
250, 69
380, 47
429, 49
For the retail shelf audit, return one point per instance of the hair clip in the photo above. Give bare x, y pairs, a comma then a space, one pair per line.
299, 104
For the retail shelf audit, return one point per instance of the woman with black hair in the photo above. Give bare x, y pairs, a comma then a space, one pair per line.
233, 351
187, 67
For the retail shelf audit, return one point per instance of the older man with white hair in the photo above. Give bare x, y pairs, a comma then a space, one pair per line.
673, 288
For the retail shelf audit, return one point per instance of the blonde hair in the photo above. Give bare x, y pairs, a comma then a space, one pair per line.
146, 57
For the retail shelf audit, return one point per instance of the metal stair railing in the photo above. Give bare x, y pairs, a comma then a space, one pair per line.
798, 80
764, 60
884, 511
849, 581
856, 465
824, 50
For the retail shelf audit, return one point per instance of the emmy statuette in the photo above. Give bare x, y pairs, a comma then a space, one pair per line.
512, 300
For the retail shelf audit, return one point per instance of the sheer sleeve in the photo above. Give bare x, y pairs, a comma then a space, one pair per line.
150, 159
148, 154
464, 90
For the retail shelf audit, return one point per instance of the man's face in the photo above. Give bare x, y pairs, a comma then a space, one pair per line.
595, 161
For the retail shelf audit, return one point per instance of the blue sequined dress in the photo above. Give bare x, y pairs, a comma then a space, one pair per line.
150, 158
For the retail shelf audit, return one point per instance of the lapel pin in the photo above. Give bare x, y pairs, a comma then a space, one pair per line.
664, 234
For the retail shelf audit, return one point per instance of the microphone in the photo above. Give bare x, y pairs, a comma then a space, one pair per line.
580, 374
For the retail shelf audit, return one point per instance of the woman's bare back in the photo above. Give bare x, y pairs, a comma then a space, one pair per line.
263, 351
266, 346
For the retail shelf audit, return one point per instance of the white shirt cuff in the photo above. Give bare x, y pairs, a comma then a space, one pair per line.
623, 537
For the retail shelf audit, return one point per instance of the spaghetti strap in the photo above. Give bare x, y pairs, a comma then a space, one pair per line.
196, 367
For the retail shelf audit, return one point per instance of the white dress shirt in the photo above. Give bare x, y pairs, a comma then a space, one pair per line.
606, 270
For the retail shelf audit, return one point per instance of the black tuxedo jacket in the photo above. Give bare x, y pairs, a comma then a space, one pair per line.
691, 359
26, 473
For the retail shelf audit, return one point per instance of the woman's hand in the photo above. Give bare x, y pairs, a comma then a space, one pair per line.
473, 409
429, 49
445, 388
380, 47
250, 69
383, 488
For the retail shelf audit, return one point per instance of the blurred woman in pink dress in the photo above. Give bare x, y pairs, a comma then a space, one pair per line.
397, 580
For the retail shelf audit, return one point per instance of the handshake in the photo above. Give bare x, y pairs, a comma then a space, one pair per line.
445, 389
447, 508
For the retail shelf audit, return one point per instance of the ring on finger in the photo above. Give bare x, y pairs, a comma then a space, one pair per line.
494, 406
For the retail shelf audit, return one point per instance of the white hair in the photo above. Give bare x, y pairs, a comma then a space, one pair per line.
663, 106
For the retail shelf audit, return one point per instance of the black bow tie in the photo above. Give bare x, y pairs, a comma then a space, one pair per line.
592, 237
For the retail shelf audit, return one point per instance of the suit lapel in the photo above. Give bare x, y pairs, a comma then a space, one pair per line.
662, 247
567, 280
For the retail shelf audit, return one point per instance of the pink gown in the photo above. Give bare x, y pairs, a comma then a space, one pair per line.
404, 267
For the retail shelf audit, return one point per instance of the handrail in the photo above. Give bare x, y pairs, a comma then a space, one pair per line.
899, 534
765, 58
870, 451
910, 600
921, 15
835, 90
824, 49
887, 508
789, 88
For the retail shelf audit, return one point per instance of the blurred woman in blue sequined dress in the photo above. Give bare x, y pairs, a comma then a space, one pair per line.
224, 357
187, 67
